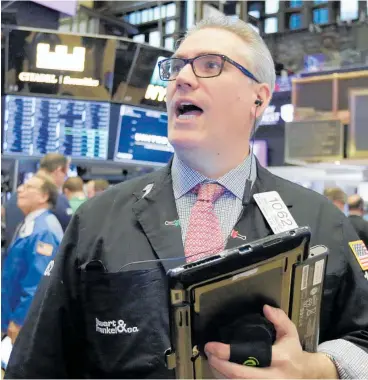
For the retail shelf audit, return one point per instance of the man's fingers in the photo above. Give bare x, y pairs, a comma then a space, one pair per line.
237, 371
281, 321
220, 350
216, 374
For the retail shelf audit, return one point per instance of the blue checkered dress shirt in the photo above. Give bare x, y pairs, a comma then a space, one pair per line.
227, 208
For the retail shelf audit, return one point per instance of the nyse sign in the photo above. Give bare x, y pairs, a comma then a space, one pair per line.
157, 93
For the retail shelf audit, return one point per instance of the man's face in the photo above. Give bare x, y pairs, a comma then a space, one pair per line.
30, 195
68, 193
227, 101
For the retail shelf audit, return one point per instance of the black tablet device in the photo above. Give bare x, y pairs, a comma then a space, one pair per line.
224, 285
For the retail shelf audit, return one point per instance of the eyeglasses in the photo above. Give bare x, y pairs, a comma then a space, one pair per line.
203, 66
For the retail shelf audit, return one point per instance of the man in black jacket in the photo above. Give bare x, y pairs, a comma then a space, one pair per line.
99, 313
356, 212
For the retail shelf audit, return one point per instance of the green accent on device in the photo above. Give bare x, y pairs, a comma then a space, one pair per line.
251, 362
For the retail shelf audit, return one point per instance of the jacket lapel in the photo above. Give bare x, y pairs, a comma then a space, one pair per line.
252, 225
156, 212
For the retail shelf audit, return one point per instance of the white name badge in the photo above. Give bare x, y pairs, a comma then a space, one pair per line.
275, 211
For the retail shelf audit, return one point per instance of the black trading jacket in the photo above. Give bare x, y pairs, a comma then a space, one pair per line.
87, 321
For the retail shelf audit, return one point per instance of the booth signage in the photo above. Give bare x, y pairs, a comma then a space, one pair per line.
47, 63
60, 59
53, 79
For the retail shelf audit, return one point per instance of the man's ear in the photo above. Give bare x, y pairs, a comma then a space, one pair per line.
263, 99
45, 197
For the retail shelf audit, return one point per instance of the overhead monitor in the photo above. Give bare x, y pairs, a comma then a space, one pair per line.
125, 55
142, 137
57, 64
143, 85
35, 126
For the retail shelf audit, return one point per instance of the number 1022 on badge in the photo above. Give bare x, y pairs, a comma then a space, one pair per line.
275, 211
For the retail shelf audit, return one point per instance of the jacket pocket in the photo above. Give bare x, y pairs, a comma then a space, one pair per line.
127, 323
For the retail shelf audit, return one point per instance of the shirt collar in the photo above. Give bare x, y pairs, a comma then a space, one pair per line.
34, 214
185, 178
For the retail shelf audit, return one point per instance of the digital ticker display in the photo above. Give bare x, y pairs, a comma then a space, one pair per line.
35, 126
142, 136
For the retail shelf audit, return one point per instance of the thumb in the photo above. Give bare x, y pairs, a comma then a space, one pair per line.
282, 323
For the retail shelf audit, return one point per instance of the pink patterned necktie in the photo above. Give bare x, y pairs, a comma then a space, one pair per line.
204, 236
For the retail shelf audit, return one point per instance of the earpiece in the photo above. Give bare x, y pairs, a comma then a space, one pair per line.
258, 102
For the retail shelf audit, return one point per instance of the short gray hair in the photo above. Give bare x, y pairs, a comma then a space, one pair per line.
261, 63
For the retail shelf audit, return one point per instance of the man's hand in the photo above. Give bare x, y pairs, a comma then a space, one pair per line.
288, 358
13, 331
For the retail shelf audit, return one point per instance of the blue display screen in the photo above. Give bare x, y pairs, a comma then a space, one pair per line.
35, 126
142, 136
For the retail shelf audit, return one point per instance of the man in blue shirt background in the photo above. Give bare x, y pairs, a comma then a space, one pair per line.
56, 166
31, 252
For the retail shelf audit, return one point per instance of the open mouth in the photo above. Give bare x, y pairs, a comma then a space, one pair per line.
186, 111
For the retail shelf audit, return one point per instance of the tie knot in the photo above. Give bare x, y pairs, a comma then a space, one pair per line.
209, 192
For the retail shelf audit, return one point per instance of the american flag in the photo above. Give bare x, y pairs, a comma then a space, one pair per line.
360, 252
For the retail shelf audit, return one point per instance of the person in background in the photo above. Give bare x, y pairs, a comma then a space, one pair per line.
56, 166
356, 213
31, 252
73, 190
337, 197
96, 186
101, 185
90, 189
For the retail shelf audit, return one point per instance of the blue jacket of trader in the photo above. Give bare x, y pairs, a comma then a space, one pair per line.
29, 256
14, 216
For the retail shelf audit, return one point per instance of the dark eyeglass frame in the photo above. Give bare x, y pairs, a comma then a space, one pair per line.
224, 59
